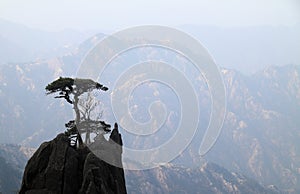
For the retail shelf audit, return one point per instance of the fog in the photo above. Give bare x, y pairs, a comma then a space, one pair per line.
235, 62
115, 15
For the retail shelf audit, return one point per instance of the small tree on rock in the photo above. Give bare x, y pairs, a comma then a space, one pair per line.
71, 89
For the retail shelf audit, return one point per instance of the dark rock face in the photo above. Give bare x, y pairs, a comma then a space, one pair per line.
57, 167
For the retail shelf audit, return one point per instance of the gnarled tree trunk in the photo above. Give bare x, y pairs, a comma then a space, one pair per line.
77, 120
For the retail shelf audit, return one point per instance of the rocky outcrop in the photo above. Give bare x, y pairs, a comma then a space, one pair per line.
56, 167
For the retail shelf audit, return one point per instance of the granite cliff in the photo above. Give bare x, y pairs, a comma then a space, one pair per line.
57, 167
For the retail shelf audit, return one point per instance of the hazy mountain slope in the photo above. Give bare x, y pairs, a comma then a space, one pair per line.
19, 43
12, 163
23, 99
25, 109
209, 178
247, 49
261, 136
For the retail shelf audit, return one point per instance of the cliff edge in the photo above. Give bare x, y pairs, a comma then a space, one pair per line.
57, 167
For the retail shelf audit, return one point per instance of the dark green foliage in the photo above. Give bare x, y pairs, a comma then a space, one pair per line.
71, 128
61, 84
87, 85
71, 132
95, 126
67, 86
88, 127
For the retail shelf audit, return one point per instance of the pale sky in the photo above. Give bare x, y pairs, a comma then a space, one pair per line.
114, 15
